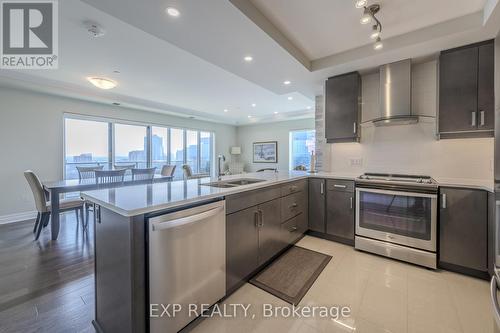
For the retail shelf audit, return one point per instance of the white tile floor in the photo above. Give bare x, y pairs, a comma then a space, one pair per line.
384, 296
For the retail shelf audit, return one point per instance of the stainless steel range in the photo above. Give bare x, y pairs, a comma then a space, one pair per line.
396, 216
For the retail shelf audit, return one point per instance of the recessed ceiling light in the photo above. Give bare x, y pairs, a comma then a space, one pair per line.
172, 11
254, 105
249, 116
286, 83
361, 3
102, 83
290, 98
226, 110
275, 112
248, 58
309, 107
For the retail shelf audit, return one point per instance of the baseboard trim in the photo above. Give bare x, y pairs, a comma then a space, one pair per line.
18, 217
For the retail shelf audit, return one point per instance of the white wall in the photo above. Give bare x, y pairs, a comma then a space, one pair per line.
31, 137
413, 148
278, 131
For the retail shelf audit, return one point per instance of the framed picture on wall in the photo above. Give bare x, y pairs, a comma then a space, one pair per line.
265, 152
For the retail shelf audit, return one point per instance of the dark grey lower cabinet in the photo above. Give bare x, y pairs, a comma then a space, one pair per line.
340, 215
270, 240
317, 188
463, 230
242, 245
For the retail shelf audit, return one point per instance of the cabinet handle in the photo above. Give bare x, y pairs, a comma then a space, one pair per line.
261, 213
474, 117
293, 229
340, 186
355, 128
294, 205
351, 202
97, 213
481, 118
443, 200
293, 188
256, 218
322, 188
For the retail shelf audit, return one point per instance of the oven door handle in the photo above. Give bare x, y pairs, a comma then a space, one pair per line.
401, 193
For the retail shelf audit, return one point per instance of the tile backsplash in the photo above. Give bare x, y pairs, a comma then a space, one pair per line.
414, 149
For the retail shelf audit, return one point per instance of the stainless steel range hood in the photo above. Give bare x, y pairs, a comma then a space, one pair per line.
395, 95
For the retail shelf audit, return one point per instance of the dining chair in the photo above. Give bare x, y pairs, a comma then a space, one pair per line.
43, 206
124, 166
143, 174
168, 170
88, 172
188, 173
110, 176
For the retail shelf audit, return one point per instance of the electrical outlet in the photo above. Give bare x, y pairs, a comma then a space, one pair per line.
356, 162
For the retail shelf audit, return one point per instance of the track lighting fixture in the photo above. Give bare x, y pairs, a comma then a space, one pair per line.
368, 17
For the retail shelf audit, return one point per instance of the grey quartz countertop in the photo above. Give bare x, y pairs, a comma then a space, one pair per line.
147, 198
142, 199
479, 184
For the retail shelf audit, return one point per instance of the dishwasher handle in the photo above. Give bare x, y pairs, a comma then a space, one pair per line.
186, 220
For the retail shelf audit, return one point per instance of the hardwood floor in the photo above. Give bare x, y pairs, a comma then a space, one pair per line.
46, 286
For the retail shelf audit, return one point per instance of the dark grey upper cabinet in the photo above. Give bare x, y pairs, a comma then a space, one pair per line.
466, 91
242, 246
463, 228
486, 87
340, 211
342, 108
317, 191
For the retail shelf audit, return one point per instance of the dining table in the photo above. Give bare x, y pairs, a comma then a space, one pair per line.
55, 188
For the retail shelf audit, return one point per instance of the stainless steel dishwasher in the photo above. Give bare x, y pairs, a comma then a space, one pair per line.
187, 263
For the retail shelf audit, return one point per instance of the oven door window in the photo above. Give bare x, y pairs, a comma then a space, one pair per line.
396, 214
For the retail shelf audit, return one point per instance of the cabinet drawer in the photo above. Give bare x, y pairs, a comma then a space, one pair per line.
293, 205
340, 185
294, 187
293, 229
240, 201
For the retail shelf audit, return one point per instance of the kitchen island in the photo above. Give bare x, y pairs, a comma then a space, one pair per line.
239, 229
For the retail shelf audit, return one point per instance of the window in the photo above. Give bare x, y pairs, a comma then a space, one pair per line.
302, 144
206, 144
88, 143
177, 150
192, 150
159, 150
85, 144
131, 145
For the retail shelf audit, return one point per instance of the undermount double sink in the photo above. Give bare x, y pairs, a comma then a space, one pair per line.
233, 182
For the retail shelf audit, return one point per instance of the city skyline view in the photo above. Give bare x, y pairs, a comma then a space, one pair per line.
131, 145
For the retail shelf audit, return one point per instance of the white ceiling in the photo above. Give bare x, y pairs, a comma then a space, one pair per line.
324, 27
193, 65
158, 75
